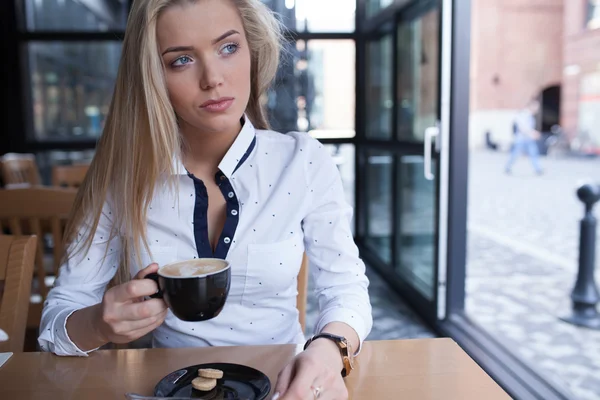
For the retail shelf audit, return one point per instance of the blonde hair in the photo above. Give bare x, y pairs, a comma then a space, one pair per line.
141, 117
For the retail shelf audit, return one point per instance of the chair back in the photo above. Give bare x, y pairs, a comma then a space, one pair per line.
16, 270
301, 300
19, 169
71, 176
38, 211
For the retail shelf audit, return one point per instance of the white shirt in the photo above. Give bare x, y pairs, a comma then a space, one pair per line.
525, 123
284, 197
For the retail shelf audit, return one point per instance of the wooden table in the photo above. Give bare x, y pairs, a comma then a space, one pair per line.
399, 369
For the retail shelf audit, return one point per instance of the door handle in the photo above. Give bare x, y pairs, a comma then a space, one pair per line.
430, 133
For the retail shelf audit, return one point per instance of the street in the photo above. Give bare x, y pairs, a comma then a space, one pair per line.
522, 263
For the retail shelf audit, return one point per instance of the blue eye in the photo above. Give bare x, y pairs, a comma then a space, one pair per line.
181, 61
230, 48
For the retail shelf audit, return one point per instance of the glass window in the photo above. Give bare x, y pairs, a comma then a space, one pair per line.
323, 16
379, 89
378, 184
374, 6
45, 160
418, 76
416, 205
325, 78
593, 14
76, 15
71, 87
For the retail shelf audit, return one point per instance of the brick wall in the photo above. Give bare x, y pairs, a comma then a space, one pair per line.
516, 52
581, 57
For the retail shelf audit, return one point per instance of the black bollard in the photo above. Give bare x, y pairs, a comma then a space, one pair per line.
585, 294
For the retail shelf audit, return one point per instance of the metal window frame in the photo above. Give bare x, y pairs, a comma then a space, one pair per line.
514, 375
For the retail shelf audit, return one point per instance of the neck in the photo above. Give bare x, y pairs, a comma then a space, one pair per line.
204, 151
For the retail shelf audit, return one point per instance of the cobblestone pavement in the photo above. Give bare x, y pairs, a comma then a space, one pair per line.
522, 263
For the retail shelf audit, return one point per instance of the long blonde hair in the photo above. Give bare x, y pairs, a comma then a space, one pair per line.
141, 137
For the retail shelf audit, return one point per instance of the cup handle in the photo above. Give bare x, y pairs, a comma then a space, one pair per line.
154, 276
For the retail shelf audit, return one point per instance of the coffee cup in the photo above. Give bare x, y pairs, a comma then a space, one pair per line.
194, 290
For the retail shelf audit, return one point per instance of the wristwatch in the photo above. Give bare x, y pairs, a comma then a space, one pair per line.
344, 346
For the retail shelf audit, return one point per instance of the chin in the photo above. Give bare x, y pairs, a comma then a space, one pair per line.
222, 122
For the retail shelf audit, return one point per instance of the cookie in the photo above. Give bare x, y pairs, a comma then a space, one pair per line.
210, 373
204, 384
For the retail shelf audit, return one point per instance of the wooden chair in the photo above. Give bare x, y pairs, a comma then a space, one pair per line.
301, 300
19, 169
16, 270
37, 211
69, 175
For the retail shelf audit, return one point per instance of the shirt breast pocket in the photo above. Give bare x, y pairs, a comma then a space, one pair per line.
272, 270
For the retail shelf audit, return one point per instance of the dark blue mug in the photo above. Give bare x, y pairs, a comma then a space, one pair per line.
194, 290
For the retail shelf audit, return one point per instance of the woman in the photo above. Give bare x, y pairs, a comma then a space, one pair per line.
186, 167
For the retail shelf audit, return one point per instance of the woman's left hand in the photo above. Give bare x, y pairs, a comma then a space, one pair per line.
313, 374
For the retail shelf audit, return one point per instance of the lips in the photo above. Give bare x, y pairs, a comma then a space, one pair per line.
221, 104
217, 101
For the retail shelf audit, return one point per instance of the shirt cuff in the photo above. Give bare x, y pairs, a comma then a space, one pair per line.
63, 345
348, 317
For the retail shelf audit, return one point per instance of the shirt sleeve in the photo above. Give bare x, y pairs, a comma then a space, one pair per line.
338, 272
81, 283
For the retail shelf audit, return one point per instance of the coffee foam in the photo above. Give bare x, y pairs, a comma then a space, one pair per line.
191, 268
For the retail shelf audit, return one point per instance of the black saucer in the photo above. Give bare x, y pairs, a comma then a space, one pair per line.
239, 383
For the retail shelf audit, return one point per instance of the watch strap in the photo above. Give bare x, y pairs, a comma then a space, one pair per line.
337, 340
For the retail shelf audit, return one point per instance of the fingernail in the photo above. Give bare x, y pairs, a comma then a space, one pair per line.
275, 396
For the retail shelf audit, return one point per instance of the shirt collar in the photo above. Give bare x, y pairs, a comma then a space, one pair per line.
235, 156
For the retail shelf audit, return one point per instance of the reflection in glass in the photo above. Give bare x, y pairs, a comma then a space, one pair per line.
323, 16
325, 76
343, 156
416, 225
378, 184
418, 79
71, 87
379, 89
76, 15
45, 160
374, 6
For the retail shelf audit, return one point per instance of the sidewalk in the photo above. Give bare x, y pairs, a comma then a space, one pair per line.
522, 264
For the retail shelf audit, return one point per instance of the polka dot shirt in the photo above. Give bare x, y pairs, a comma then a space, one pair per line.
283, 197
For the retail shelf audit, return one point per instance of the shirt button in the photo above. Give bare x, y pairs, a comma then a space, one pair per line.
231, 194
223, 177
227, 240
234, 212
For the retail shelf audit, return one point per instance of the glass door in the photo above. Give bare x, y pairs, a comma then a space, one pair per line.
418, 99
404, 157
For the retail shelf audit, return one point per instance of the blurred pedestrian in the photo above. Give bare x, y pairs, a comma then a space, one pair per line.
526, 137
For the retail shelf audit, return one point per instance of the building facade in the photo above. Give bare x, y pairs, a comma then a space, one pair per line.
547, 49
516, 53
580, 116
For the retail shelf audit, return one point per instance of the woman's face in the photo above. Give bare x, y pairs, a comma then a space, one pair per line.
207, 64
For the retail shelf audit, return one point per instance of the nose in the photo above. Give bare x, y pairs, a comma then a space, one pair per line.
211, 76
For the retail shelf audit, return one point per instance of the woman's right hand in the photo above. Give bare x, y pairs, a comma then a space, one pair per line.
124, 315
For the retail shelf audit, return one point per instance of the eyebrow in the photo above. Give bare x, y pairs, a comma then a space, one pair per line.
225, 35
190, 48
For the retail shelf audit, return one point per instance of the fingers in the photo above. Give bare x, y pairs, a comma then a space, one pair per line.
301, 384
128, 328
145, 326
283, 380
142, 310
132, 290
152, 268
